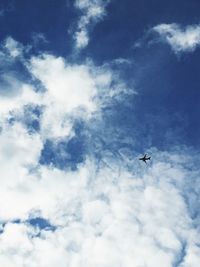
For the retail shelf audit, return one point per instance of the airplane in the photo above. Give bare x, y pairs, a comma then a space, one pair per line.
145, 158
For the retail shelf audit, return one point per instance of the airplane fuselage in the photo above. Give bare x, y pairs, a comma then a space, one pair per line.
145, 158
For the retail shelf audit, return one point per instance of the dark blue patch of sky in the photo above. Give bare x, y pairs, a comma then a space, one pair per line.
63, 153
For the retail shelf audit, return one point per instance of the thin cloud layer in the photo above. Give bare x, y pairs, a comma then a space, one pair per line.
181, 39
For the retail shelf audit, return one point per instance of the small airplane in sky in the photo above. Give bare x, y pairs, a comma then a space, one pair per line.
145, 158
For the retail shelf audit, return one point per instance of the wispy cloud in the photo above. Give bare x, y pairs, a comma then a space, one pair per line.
181, 39
2, 12
92, 11
8, 7
13, 47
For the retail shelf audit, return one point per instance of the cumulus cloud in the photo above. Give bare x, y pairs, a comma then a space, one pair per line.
92, 12
108, 211
71, 90
181, 39
105, 218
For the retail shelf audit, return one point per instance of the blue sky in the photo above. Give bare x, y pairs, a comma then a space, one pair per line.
86, 88
167, 84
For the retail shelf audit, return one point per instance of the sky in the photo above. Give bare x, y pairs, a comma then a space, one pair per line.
86, 88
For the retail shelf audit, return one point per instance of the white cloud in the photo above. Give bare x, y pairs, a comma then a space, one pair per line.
179, 38
82, 39
21, 95
92, 12
70, 86
13, 47
105, 219
71, 90
107, 213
